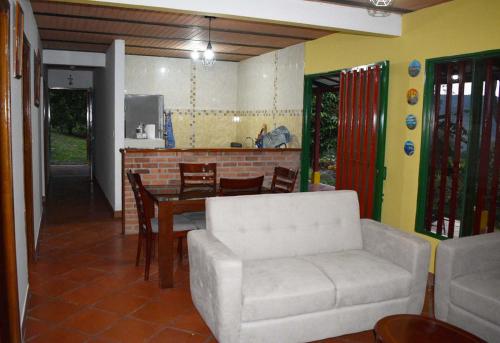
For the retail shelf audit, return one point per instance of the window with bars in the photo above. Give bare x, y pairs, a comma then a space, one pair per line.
460, 160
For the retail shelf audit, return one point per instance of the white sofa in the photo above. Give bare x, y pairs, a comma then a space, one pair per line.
300, 267
467, 285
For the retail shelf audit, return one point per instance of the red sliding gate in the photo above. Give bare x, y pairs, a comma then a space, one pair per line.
358, 134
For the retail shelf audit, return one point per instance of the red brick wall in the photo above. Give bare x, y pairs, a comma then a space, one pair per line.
162, 167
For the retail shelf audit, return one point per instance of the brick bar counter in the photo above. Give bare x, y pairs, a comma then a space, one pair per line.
161, 166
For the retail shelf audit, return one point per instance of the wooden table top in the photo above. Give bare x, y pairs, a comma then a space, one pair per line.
408, 328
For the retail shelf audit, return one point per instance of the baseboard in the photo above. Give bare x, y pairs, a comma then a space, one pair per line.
114, 214
24, 311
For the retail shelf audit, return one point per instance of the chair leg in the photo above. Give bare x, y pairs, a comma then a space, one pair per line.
179, 248
148, 256
139, 247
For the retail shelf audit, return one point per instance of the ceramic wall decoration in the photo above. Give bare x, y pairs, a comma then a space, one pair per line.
414, 68
412, 96
411, 121
409, 148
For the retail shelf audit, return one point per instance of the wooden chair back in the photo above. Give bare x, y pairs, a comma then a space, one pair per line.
198, 175
283, 180
229, 187
140, 202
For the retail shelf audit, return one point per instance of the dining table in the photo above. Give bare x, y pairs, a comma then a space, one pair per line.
172, 200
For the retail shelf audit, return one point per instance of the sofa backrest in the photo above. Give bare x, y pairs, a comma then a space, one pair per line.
284, 225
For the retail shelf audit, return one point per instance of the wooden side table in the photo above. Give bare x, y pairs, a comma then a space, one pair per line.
408, 328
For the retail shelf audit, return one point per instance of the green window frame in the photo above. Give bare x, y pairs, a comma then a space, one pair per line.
425, 151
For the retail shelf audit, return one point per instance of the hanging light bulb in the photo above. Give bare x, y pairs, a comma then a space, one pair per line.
209, 55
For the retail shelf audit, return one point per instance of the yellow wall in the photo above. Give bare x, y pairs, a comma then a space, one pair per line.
453, 28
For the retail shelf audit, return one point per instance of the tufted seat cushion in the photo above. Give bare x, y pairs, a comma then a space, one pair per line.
361, 277
284, 287
478, 293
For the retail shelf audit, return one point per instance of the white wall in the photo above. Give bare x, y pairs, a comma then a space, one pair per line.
109, 121
74, 58
58, 78
31, 32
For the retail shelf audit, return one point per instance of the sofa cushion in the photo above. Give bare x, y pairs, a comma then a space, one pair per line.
362, 278
284, 287
478, 293
286, 225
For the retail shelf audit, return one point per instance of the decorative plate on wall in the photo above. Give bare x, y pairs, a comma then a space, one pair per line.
409, 148
411, 121
412, 96
414, 68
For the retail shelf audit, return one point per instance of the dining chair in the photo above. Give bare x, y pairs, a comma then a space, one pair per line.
148, 225
229, 187
283, 180
196, 177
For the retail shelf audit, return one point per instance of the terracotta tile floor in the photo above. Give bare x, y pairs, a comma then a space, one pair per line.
85, 286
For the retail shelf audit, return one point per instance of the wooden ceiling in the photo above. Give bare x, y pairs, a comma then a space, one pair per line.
82, 27
398, 6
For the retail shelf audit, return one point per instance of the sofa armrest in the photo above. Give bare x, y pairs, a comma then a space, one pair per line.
459, 257
216, 284
403, 249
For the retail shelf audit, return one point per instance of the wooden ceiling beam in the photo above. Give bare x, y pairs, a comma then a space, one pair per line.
119, 35
140, 22
142, 46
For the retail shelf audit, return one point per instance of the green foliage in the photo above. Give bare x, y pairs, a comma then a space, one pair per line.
65, 149
68, 111
328, 127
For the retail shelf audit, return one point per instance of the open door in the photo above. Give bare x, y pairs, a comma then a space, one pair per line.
361, 134
10, 330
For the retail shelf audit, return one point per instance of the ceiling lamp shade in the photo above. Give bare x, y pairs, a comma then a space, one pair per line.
381, 3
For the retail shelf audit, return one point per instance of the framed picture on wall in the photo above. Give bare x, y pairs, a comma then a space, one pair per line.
18, 42
38, 75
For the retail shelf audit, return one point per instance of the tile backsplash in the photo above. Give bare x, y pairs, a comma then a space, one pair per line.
227, 102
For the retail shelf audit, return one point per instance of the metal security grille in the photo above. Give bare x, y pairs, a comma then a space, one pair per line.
462, 189
358, 134
487, 201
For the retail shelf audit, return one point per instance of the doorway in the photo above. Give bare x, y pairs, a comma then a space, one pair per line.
70, 120
352, 155
324, 133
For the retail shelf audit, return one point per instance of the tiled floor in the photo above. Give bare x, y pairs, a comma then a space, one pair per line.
85, 286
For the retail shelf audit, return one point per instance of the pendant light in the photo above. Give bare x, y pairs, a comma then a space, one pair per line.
381, 3
378, 8
208, 58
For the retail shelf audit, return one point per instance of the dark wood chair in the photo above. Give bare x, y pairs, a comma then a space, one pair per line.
148, 225
198, 176
283, 180
229, 187
196, 180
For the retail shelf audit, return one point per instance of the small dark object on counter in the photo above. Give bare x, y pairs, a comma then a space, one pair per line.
236, 145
